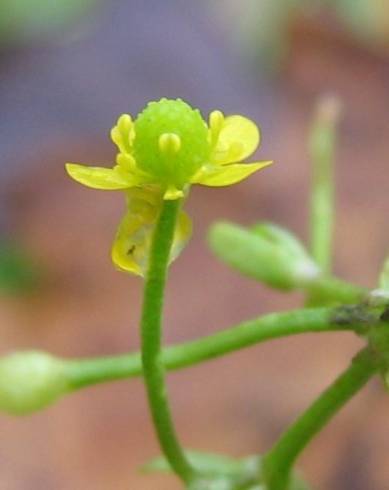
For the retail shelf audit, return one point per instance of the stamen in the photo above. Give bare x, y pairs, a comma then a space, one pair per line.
116, 137
123, 133
124, 123
216, 120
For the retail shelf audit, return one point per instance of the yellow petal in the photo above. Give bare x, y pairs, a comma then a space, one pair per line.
182, 235
131, 248
215, 123
140, 196
126, 162
100, 177
228, 174
238, 138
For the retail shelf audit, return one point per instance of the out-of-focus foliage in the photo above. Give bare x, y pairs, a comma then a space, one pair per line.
24, 20
384, 276
262, 27
368, 20
17, 273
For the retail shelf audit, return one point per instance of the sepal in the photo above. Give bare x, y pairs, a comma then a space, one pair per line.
131, 247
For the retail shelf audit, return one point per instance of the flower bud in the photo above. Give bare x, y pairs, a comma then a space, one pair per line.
30, 381
267, 253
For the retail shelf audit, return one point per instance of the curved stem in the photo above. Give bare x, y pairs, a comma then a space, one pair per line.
85, 372
278, 462
151, 327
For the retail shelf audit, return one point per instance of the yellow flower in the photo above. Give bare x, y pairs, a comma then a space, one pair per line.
165, 150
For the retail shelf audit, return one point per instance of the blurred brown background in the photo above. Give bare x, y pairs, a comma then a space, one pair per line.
66, 72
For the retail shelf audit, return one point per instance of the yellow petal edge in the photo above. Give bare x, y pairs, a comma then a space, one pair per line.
229, 174
99, 177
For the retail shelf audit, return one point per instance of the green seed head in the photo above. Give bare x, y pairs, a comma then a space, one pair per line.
171, 141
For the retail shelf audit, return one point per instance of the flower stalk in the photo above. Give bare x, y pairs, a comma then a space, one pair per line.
82, 373
151, 335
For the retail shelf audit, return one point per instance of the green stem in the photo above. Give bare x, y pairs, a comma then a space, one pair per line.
331, 290
151, 333
278, 462
85, 372
322, 143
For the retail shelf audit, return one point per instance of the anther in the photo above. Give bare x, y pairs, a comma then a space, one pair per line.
216, 119
124, 123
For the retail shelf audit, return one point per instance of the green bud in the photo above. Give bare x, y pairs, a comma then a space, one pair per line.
30, 381
267, 253
171, 141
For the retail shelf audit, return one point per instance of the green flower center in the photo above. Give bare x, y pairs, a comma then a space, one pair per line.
171, 141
